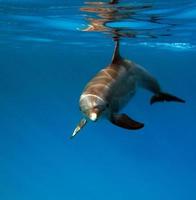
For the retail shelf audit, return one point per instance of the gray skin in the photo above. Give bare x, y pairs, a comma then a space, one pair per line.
108, 94
113, 87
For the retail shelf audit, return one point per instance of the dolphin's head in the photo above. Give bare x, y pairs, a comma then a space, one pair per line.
92, 106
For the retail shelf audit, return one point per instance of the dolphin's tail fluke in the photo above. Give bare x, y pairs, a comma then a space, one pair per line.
160, 97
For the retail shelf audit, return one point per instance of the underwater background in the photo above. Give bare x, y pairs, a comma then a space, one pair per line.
49, 50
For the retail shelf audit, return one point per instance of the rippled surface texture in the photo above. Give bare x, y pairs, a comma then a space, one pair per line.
172, 22
48, 52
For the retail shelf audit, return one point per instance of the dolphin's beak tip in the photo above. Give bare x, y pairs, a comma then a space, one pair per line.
71, 137
93, 116
78, 128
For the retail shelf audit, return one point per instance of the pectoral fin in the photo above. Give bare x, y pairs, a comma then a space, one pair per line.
124, 121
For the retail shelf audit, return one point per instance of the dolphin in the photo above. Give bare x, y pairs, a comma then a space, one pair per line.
112, 88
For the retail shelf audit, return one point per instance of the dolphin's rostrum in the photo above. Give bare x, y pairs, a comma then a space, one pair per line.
112, 88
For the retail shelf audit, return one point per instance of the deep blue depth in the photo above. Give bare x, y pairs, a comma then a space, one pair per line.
46, 60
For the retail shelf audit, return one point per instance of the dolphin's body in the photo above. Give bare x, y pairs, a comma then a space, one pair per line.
112, 88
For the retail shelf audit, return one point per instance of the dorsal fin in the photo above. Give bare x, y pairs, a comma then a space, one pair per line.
113, 1
116, 55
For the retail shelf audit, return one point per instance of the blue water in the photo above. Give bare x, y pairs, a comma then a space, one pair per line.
46, 58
